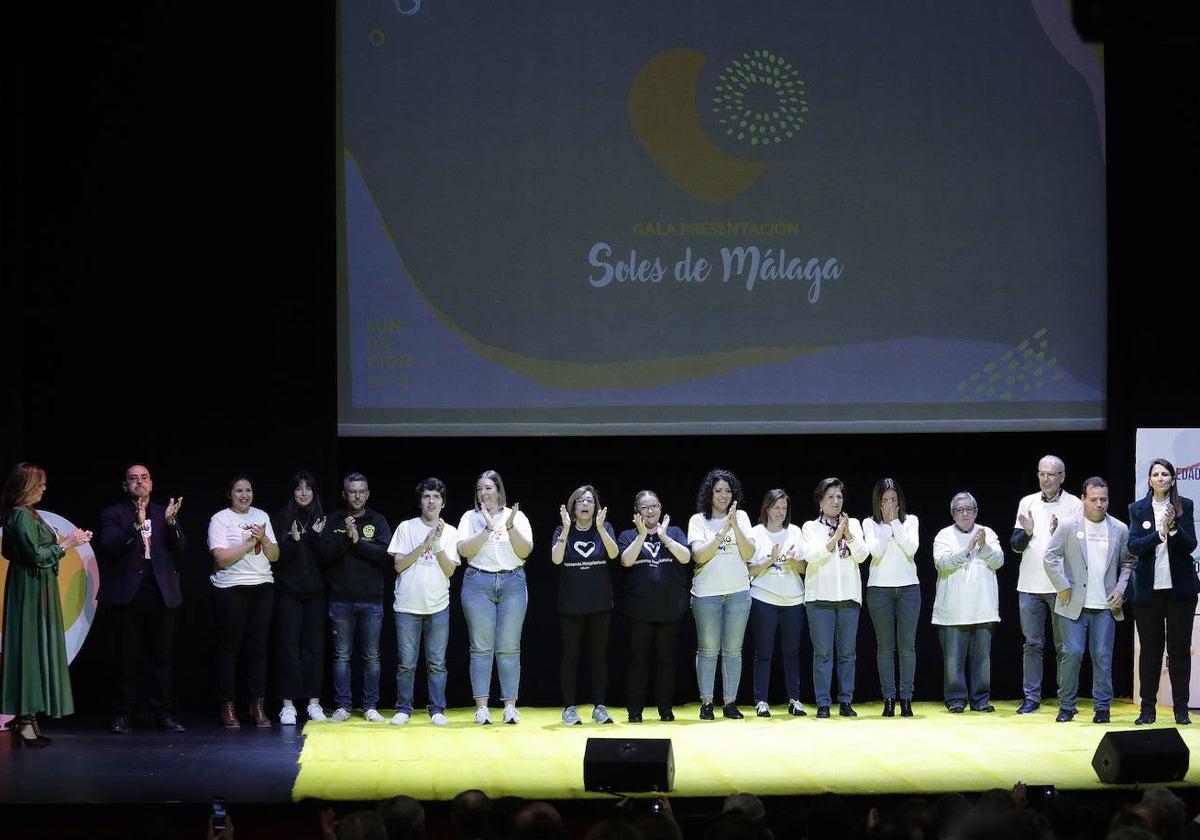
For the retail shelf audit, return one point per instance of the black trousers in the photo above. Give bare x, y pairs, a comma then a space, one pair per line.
654, 642
143, 638
1165, 621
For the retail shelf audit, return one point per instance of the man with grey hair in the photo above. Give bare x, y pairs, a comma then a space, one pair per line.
966, 605
1038, 515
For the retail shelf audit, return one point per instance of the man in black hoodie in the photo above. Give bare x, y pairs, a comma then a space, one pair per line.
358, 570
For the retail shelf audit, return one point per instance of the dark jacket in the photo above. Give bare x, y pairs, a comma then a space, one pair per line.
359, 571
122, 554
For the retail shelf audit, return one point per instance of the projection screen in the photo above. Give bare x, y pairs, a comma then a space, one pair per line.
704, 217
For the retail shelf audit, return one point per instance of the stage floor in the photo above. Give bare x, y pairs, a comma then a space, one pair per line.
310, 766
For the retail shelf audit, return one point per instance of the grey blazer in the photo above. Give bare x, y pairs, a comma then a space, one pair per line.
1066, 563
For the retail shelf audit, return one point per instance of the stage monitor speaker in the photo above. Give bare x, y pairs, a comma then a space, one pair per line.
628, 765
1141, 755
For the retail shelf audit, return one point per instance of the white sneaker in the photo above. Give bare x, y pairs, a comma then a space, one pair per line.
796, 708
340, 715
570, 716
399, 719
438, 719
482, 716
315, 712
762, 709
372, 716
287, 715
601, 715
510, 714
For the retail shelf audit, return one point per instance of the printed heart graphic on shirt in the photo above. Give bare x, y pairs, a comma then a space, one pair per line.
652, 549
585, 548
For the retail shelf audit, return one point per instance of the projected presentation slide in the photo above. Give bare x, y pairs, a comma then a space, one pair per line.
703, 217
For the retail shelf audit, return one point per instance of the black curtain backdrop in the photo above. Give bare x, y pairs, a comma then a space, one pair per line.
170, 260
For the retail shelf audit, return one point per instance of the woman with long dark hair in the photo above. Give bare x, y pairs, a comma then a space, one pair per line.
300, 604
1164, 589
719, 534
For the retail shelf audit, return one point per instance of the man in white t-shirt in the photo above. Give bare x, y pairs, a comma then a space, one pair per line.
425, 552
1038, 515
1089, 565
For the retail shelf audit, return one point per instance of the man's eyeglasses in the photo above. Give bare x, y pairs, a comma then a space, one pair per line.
1043, 474
959, 511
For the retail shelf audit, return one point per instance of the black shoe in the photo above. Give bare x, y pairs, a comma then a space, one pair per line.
956, 710
1029, 706
1065, 716
635, 717
666, 716
796, 709
1182, 718
846, 710
822, 711
1101, 716
906, 708
120, 725
986, 707
706, 711
165, 722
730, 710
889, 707
1147, 716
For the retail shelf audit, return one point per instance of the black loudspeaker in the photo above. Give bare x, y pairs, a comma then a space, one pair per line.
1141, 755
628, 765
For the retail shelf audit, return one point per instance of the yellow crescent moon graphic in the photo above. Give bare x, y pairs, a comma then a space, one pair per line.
662, 108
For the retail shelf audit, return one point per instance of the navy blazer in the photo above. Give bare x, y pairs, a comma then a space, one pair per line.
122, 556
1143, 543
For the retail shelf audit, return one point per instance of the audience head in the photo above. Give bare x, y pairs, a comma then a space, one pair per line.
362, 824
403, 817
746, 804
1167, 812
539, 821
470, 811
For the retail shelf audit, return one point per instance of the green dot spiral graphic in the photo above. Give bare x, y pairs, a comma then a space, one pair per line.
759, 99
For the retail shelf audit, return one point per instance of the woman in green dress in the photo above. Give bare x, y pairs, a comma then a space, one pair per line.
33, 659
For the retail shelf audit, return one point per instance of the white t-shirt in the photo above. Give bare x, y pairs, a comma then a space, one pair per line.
780, 584
227, 529
423, 588
496, 554
1032, 576
726, 572
1096, 539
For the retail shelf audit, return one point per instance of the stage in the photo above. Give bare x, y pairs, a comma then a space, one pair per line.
295, 771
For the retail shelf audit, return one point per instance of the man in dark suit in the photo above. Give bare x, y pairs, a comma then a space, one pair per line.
140, 543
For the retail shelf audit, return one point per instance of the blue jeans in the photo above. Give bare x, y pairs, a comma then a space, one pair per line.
894, 611
765, 619
1035, 610
720, 630
833, 626
364, 620
1096, 630
966, 646
409, 629
494, 605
